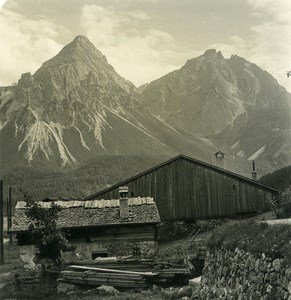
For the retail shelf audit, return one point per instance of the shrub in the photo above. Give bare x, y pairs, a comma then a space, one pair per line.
253, 237
47, 237
281, 203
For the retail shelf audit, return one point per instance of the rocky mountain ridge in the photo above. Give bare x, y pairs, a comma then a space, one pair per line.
76, 107
234, 104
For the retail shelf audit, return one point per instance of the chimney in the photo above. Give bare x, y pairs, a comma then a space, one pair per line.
123, 202
219, 159
254, 172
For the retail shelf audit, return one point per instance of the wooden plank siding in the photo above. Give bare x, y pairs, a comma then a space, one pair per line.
185, 190
139, 232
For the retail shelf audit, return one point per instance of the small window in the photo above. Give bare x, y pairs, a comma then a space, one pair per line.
99, 254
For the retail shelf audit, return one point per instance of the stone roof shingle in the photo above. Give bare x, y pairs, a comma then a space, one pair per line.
96, 213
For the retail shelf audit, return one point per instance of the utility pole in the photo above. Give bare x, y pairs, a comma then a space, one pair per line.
1, 224
9, 215
10, 212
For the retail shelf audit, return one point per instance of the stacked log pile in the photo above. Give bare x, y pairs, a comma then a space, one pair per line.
125, 274
100, 276
28, 280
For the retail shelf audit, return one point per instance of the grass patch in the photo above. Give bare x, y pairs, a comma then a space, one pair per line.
253, 237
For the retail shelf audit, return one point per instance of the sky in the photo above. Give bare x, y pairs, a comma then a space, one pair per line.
145, 39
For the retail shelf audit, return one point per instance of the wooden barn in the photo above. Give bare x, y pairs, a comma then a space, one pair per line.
98, 228
187, 189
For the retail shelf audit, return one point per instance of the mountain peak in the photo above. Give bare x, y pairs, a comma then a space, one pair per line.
78, 61
237, 58
82, 42
211, 53
81, 39
81, 45
79, 50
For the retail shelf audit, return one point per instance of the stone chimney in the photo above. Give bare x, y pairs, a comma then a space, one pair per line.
254, 172
123, 202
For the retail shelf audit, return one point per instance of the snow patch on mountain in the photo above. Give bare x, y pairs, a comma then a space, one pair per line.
127, 121
64, 153
159, 118
241, 154
257, 153
2, 124
249, 72
82, 139
96, 122
40, 136
205, 140
99, 121
233, 146
135, 126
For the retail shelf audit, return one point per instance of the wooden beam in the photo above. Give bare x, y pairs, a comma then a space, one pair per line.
149, 274
1, 224
9, 216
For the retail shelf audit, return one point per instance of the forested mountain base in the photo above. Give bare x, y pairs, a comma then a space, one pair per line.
280, 179
98, 174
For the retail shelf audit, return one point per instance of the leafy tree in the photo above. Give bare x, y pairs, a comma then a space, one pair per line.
47, 237
281, 203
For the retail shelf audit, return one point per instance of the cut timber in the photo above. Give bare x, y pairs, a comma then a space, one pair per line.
145, 274
100, 275
111, 273
115, 283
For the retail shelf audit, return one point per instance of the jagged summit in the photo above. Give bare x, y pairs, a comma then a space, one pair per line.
82, 44
227, 101
80, 50
237, 58
78, 61
212, 53
81, 39
75, 107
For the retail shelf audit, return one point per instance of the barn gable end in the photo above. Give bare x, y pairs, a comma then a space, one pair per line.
187, 189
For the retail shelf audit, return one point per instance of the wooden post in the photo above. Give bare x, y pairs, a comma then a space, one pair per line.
1, 224
7, 213
9, 216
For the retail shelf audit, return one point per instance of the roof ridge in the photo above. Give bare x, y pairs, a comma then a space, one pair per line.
183, 156
92, 203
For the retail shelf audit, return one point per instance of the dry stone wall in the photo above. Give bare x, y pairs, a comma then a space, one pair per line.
239, 275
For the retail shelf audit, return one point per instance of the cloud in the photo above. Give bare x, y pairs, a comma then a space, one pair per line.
2, 2
235, 45
273, 49
138, 54
268, 42
25, 44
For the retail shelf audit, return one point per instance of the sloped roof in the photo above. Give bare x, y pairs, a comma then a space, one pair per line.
193, 160
219, 152
92, 213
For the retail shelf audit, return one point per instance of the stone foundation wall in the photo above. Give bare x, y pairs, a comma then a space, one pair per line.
242, 275
115, 248
83, 250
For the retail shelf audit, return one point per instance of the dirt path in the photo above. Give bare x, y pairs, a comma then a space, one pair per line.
279, 222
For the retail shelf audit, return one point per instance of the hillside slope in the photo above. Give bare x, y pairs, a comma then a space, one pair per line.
236, 105
76, 107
